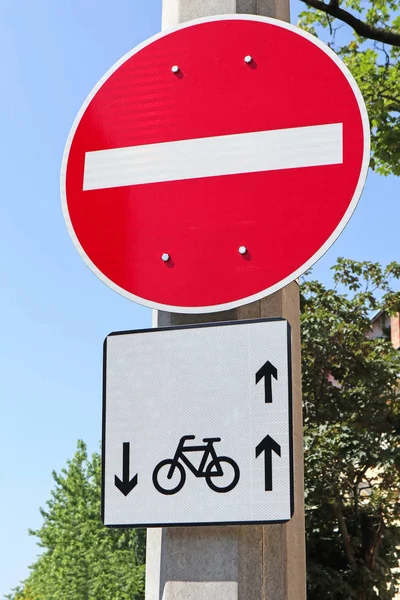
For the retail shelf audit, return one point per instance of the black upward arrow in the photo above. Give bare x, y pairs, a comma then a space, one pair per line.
266, 372
126, 485
268, 445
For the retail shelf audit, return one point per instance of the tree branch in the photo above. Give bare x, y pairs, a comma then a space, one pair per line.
387, 36
372, 539
378, 542
344, 533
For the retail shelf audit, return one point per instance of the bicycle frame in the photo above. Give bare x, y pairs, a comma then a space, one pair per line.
208, 450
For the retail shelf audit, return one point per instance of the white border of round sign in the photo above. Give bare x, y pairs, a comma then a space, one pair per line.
306, 265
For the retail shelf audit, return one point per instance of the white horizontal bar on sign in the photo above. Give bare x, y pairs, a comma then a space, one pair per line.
212, 156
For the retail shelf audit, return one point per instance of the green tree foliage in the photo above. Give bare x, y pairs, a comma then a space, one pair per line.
24, 593
370, 46
82, 559
352, 427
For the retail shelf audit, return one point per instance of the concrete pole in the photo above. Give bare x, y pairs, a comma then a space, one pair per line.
246, 562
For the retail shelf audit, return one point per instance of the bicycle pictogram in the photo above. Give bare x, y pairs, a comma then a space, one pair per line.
220, 472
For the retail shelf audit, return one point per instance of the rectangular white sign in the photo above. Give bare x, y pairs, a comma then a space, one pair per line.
197, 425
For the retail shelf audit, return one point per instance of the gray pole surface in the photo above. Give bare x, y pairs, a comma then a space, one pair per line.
244, 562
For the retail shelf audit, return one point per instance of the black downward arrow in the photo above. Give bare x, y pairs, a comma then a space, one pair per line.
126, 485
266, 372
268, 445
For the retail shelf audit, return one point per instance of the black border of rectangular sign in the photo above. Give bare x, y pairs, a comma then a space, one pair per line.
197, 326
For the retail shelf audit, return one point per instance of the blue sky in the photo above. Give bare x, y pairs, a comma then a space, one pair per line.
55, 312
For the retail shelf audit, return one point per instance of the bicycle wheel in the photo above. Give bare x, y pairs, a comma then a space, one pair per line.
212, 478
177, 484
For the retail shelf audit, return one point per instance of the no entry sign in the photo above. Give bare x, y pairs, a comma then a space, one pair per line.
215, 163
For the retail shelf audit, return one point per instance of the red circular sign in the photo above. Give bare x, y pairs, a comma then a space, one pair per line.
215, 163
